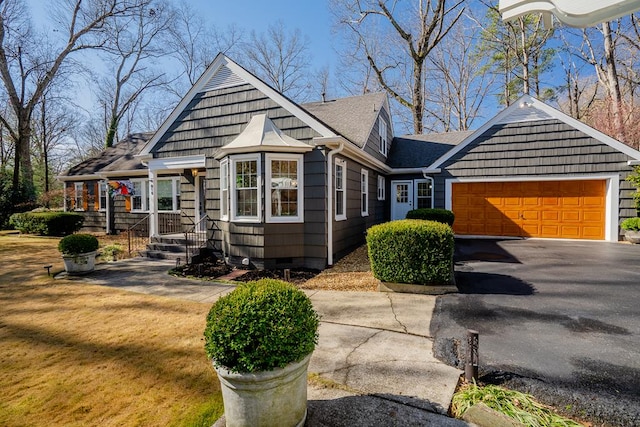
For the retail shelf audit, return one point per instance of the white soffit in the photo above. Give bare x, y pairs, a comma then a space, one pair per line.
582, 13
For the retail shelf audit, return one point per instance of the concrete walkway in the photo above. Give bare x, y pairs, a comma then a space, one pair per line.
373, 365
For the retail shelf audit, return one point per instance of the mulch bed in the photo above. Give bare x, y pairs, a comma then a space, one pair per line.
297, 276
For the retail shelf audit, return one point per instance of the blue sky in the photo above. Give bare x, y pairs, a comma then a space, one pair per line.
311, 17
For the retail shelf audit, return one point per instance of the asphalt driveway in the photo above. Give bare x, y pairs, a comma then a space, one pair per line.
558, 319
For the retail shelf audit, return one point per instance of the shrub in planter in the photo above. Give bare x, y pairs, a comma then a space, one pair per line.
47, 223
412, 251
260, 326
260, 338
444, 216
75, 244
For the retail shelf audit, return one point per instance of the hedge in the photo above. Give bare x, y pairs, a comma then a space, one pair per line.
411, 251
47, 223
440, 215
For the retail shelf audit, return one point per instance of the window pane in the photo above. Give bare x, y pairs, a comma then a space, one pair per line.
224, 186
247, 188
136, 198
165, 195
284, 185
424, 195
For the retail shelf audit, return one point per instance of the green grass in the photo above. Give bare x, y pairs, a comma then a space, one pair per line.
514, 404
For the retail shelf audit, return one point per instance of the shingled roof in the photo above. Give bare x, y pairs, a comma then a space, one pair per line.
351, 117
120, 157
419, 151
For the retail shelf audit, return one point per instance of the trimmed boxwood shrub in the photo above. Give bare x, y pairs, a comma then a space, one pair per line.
261, 326
75, 244
411, 251
47, 223
631, 224
440, 215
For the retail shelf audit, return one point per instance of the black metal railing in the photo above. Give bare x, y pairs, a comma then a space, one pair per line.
138, 235
169, 223
195, 238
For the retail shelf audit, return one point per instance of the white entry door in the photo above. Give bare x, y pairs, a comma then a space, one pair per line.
401, 199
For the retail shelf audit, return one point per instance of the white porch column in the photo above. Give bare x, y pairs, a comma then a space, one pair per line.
107, 201
153, 204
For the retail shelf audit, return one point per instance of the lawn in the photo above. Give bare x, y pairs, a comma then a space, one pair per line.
74, 354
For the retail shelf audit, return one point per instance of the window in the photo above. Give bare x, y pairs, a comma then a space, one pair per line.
102, 195
168, 194
284, 181
224, 190
381, 187
424, 195
340, 193
364, 192
140, 196
77, 196
245, 203
382, 131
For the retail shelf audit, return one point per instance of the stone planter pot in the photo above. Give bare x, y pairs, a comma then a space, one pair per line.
80, 263
275, 398
632, 236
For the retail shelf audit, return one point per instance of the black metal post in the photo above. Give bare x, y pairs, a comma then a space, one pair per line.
471, 366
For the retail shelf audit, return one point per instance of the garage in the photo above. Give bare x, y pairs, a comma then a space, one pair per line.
567, 209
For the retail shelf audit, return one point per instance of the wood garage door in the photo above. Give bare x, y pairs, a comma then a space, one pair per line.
554, 209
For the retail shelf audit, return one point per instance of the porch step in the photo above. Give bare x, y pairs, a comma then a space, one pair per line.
162, 255
165, 247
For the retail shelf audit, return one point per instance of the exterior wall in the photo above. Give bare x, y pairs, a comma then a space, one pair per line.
350, 233
372, 146
214, 119
94, 219
538, 148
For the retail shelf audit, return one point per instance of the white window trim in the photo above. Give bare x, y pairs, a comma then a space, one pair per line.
144, 206
224, 189
343, 164
364, 192
383, 130
78, 196
233, 201
300, 175
415, 191
382, 182
102, 188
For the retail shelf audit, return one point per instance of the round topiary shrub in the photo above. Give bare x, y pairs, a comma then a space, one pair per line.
75, 244
412, 251
261, 326
444, 216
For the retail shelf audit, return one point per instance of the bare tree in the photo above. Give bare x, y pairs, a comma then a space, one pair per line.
29, 62
280, 58
396, 39
456, 88
53, 122
132, 47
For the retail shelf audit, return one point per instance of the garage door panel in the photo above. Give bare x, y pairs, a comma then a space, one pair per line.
558, 209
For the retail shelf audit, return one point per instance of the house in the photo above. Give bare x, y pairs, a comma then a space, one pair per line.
278, 184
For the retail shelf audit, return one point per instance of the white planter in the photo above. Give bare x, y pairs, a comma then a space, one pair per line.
81, 263
632, 236
276, 398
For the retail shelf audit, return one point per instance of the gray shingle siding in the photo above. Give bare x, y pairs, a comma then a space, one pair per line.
537, 148
372, 146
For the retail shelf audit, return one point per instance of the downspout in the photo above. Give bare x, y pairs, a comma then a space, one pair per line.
330, 202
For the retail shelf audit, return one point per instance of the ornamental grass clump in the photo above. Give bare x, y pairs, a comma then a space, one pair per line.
411, 251
261, 326
80, 243
631, 224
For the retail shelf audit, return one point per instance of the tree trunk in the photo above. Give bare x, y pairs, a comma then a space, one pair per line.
417, 107
613, 83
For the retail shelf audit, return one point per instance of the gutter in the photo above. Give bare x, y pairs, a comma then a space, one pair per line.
330, 154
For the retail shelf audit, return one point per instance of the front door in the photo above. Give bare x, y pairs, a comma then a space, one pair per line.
201, 197
401, 199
